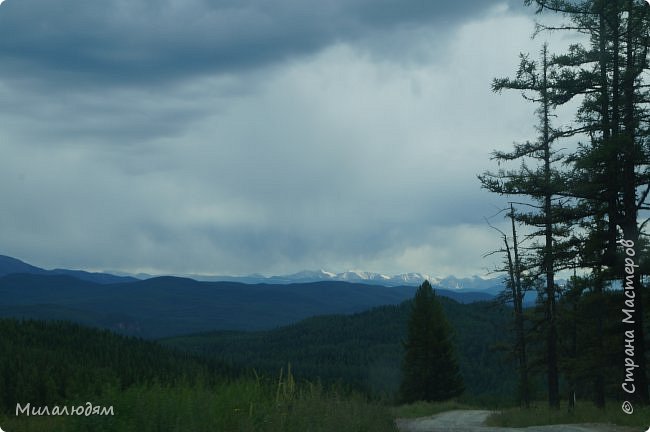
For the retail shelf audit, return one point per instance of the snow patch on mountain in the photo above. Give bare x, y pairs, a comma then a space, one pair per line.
474, 283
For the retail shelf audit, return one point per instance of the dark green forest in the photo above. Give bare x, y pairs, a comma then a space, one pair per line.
365, 349
53, 362
268, 378
150, 387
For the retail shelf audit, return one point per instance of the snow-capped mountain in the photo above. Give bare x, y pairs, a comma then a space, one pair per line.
361, 276
474, 283
10, 265
413, 279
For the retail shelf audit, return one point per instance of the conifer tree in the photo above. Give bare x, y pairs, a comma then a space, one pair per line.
430, 367
606, 181
609, 74
552, 214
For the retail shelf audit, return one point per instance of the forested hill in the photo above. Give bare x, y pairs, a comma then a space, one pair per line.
365, 349
51, 374
52, 362
167, 306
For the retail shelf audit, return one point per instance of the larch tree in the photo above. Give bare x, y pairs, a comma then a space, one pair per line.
612, 170
552, 214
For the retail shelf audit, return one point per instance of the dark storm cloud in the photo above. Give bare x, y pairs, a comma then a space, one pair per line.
143, 41
250, 136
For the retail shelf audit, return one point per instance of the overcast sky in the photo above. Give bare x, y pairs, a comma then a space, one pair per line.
256, 136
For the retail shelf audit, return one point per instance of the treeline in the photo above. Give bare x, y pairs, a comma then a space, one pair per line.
365, 350
579, 201
52, 362
54, 370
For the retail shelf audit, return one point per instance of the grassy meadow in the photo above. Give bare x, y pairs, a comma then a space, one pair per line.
244, 404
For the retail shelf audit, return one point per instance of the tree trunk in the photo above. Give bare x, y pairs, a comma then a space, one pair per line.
629, 220
551, 340
517, 296
599, 380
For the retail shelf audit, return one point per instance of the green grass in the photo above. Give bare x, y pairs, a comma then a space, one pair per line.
425, 409
243, 405
585, 412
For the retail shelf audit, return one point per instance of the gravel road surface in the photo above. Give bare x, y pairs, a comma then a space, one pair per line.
474, 421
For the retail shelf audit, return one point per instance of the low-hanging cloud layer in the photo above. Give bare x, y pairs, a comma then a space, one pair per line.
232, 136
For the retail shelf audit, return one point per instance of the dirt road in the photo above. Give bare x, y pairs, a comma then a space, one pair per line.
474, 420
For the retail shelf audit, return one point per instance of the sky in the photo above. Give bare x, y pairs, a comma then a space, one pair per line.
230, 137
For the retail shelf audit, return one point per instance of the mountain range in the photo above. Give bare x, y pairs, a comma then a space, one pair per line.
167, 306
9, 265
474, 283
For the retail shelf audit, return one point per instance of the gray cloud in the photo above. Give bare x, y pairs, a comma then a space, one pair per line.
235, 137
79, 43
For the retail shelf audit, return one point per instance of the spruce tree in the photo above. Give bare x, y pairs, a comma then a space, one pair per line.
430, 367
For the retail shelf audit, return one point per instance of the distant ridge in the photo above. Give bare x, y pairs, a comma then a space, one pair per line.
493, 286
475, 283
9, 265
166, 306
